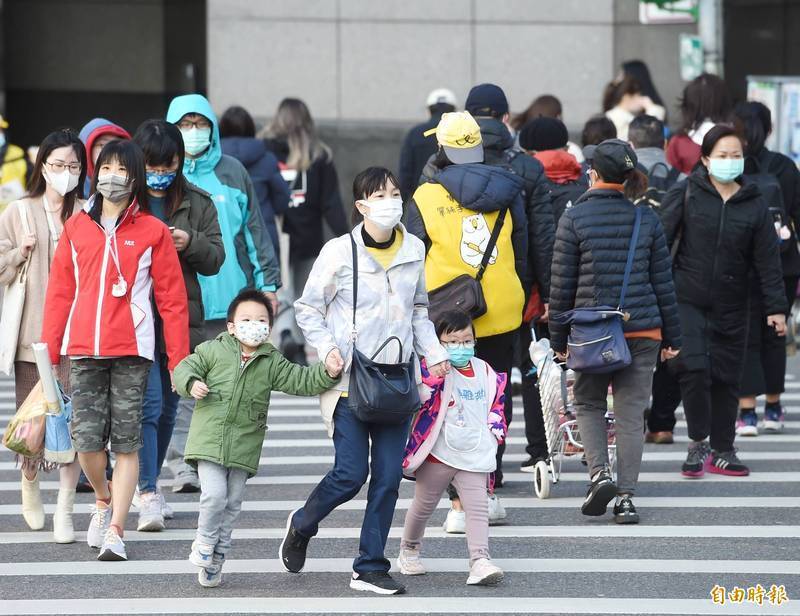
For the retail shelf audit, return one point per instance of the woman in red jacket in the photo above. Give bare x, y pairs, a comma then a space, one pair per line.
110, 258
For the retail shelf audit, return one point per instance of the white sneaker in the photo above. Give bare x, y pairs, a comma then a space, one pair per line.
483, 573
32, 508
63, 530
202, 555
151, 516
186, 482
113, 547
496, 510
166, 510
211, 576
101, 518
456, 522
410, 563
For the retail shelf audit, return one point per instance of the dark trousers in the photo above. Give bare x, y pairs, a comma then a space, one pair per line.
351, 441
710, 406
666, 399
498, 352
535, 434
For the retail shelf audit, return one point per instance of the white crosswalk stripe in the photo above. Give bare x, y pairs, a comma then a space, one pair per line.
694, 534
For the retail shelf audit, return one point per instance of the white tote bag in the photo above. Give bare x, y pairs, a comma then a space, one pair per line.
13, 303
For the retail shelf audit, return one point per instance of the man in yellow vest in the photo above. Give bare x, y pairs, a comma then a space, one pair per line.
454, 213
13, 170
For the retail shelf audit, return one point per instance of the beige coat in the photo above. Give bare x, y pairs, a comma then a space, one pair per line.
11, 260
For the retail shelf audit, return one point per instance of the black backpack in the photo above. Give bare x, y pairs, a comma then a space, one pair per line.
772, 193
658, 185
563, 196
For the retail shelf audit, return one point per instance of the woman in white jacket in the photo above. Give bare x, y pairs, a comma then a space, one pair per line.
392, 301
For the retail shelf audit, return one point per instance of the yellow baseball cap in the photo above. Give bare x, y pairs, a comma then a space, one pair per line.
460, 136
3, 122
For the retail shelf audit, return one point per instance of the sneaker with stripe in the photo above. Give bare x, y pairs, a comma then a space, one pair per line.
727, 463
696, 460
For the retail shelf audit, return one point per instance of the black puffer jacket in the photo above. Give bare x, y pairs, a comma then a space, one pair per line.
498, 148
719, 245
589, 259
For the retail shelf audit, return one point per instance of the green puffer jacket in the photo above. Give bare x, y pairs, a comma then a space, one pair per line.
228, 425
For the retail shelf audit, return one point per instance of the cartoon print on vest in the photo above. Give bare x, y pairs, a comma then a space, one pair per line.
475, 235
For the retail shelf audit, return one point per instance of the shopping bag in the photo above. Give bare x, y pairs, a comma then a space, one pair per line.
24, 434
57, 441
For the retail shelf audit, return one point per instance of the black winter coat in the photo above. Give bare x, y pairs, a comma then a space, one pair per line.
482, 188
498, 148
323, 201
720, 243
788, 175
416, 150
589, 259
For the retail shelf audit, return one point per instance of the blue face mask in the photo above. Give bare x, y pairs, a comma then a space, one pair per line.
160, 181
459, 356
725, 170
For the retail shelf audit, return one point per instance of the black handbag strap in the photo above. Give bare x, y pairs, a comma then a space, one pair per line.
498, 226
676, 243
637, 223
355, 284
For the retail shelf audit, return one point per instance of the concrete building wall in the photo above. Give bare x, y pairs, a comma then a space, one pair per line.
364, 67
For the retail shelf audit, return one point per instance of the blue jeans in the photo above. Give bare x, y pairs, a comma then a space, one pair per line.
351, 439
159, 407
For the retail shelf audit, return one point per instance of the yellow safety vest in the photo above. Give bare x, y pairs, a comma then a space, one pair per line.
458, 238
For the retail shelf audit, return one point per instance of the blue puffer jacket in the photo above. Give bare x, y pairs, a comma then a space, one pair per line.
589, 258
271, 189
250, 257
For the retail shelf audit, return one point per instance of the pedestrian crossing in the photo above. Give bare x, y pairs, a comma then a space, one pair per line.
694, 535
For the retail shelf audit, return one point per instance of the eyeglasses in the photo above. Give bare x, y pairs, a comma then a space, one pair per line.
59, 165
189, 124
459, 345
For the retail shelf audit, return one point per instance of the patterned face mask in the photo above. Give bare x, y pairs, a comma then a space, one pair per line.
251, 333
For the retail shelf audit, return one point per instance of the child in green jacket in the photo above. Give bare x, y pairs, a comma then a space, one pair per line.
231, 378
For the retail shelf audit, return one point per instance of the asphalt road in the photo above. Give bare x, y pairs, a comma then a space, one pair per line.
694, 535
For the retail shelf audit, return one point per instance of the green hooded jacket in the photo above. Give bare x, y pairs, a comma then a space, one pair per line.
228, 425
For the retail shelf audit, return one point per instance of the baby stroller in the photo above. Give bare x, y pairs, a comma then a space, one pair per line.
560, 424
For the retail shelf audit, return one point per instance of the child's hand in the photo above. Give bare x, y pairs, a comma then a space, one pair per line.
199, 390
334, 363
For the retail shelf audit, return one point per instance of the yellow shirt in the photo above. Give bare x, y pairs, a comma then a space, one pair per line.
385, 256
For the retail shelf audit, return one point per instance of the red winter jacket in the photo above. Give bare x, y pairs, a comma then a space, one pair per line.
82, 317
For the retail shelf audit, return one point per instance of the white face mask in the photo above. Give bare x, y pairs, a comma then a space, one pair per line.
385, 213
63, 182
251, 333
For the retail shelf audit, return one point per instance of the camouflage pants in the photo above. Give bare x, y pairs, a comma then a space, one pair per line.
107, 403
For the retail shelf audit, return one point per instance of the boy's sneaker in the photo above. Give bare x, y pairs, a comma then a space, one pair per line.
101, 518
113, 547
293, 548
410, 563
484, 573
456, 522
496, 511
529, 465
727, 463
186, 482
211, 576
747, 424
378, 582
625, 512
600, 493
696, 460
151, 514
773, 418
202, 554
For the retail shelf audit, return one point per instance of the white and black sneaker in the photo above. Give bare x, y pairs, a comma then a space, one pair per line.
625, 512
601, 492
378, 582
293, 548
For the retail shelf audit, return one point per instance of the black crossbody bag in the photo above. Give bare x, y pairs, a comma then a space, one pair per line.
380, 393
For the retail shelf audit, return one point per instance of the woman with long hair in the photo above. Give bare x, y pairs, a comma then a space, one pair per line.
307, 166
29, 232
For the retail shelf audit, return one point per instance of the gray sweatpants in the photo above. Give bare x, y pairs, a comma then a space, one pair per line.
632, 387
221, 495
183, 418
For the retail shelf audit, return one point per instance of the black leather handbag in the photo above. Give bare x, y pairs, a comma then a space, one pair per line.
380, 393
465, 292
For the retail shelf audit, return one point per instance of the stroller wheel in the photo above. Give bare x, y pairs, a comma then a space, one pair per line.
541, 479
